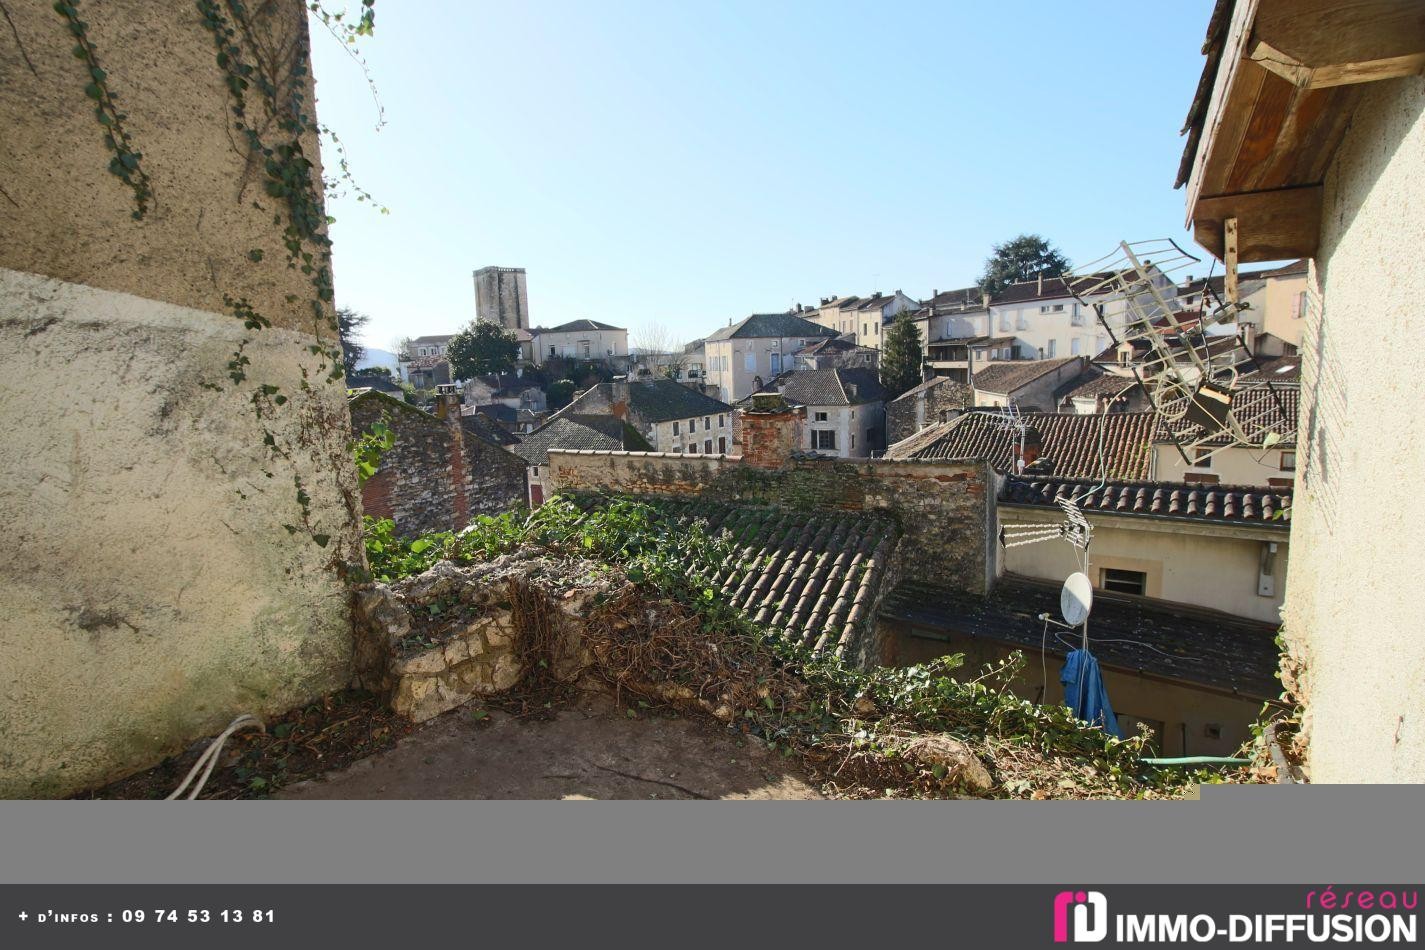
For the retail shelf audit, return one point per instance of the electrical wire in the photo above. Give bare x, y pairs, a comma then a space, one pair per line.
209, 759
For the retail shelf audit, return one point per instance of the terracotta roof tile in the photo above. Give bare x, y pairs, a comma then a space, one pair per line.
1070, 439
1245, 504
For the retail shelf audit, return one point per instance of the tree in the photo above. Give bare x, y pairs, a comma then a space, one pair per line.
349, 323
655, 340
901, 355
559, 393
369, 371
482, 348
403, 347
1023, 258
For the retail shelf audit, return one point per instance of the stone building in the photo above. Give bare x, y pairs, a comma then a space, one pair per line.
501, 297
443, 469
673, 417
152, 589
938, 399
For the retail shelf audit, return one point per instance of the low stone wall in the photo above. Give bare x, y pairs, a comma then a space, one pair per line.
439, 640
946, 509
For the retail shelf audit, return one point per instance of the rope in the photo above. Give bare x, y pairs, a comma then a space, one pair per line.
209, 759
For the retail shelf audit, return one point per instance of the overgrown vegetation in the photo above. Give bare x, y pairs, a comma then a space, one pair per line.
857, 729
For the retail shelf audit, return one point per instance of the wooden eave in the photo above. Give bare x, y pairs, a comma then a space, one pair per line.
1288, 79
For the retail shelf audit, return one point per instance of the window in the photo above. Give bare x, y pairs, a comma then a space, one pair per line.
1123, 582
1202, 458
707, 446
776, 363
1300, 307
551, 350
720, 423
1053, 348
1023, 321
1279, 483
585, 345
1075, 346
819, 417
1201, 477
692, 426
1078, 318
1288, 463
823, 439
751, 362
722, 445
693, 448
707, 423
675, 428
1052, 308
1125, 355
853, 442
865, 329
536, 471
1004, 320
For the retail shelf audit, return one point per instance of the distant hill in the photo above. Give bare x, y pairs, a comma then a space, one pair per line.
376, 357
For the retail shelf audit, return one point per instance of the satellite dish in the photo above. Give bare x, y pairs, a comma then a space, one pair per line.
1076, 599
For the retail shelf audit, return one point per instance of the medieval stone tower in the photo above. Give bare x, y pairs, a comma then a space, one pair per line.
500, 297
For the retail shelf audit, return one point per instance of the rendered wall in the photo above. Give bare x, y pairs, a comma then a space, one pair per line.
150, 589
1354, 602
1210, 566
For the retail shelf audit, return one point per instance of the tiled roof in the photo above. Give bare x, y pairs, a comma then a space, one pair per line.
815, 575
1071, 440
499, 412
480, 425
975, 341
427, 362
1127, 634
579, 432
1258, 411
1092, 383
950, 301
1294, 269
659, 400
429, 340
935, 382
1051, 288
1281, 369
574, 326
772, 325
836, 386
829, 345
1238, 504
1010, 376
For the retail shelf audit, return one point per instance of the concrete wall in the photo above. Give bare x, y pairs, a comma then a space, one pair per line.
1214, 566
727, 367
1232, 466
850, 423
945, 510
151, 590
1353, 612
1283, 314
603, 345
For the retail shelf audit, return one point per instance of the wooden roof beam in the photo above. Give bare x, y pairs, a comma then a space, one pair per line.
1316, 44
1272, 225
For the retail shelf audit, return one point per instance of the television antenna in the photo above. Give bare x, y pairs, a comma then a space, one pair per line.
1196, 369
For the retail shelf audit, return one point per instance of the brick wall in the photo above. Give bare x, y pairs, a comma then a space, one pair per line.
945, 509
436, 477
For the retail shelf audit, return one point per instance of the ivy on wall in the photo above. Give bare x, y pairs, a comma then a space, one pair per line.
267, 78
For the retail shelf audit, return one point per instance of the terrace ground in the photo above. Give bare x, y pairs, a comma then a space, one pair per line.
588, 748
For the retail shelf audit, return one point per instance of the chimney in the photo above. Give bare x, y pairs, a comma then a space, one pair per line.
985, 300
447, 401
934, 294
771, 431
1040, 289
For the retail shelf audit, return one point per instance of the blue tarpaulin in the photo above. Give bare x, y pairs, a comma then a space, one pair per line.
1085, 694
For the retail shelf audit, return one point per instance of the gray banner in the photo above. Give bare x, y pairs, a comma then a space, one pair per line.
1234, 835
184, 916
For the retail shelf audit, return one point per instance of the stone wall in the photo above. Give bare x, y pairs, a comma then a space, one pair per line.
925, 407
436, 476
946, 509
163, 572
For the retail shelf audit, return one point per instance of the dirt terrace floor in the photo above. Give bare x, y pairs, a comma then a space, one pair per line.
587, 748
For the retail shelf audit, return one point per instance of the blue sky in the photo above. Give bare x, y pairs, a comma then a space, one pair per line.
685, 164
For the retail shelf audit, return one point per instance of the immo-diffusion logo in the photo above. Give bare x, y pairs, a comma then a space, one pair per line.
1355, 917
1090, 916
